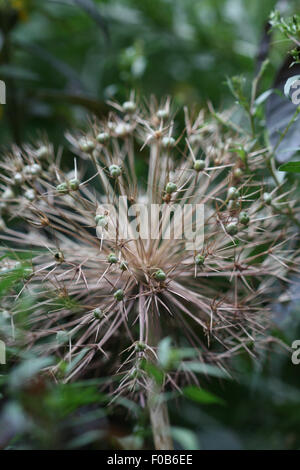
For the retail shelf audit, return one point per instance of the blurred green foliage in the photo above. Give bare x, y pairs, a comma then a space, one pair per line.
61, 58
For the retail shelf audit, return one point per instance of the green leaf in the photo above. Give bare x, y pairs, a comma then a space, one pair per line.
27, 370
164, 352
292, 167
185, 437
201, 396
153, 371
93, 11
206, 369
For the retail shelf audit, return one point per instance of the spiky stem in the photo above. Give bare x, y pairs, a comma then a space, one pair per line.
158, 409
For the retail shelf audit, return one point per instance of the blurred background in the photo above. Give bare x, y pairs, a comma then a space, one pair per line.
61, 61
63, 58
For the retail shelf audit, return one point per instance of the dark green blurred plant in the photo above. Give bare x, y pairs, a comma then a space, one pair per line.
63, 58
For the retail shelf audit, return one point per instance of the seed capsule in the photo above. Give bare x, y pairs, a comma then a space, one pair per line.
162, 113
199, 260
98, 314
123, 265
233, 193
140, 346
238, 173
267, 198
86, 145
199, 165
111, 125
30, 194
160, 275
18, 178
62, 188
42, 152
103, 137
35, 169
74, 184
171, 188
129, 106
8, 194
112, 259
101, 220
244, 218
59, 256
122, 129
232, 228
119, 295
115, 171
168, 142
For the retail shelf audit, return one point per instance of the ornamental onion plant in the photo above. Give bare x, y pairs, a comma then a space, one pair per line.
104, 300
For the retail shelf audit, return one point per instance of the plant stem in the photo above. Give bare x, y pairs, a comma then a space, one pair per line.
159, 418
158, 409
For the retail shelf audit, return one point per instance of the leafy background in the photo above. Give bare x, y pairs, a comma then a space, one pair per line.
62, 60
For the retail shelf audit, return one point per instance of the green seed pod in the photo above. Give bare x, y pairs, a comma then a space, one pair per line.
115, 171
267, 198
30, 194
8, 194
123, 265
199, 260
122, 129
59, 257
119, 295
129, 106
74, 184
232, 228
35, 169
162, 113
111, 125
18, 178
140, 346
86, 145
42, 152
199, 165
244, 218
171, 188
160, 275
112, 259
101, 221
238, 173
103, 137
62, 188
168, 142
98, 314
233, 193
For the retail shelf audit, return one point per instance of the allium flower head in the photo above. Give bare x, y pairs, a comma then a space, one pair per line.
102, 300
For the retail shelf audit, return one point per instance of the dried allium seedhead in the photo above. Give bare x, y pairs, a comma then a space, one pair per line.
107, 302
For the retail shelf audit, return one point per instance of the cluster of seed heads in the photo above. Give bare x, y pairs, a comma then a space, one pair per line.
108, 299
